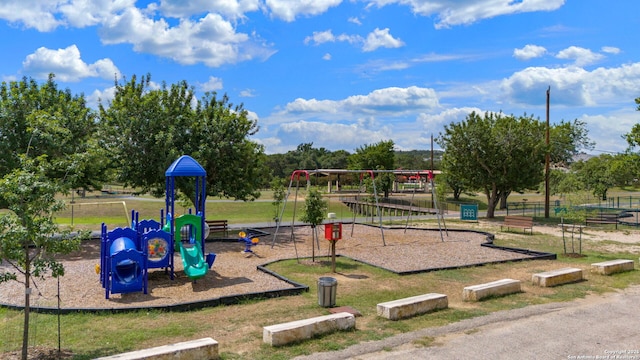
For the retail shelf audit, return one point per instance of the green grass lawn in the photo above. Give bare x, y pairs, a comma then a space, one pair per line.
115, 211
238, 328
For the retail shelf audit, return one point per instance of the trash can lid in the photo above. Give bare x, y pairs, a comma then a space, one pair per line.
326, 279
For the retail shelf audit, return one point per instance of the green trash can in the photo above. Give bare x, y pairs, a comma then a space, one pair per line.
327, 287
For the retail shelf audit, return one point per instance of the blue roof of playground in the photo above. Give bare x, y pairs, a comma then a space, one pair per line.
185, 165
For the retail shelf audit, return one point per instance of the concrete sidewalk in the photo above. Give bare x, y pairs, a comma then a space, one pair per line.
598, 327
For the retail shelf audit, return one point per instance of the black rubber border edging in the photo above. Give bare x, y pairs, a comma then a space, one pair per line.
297, 287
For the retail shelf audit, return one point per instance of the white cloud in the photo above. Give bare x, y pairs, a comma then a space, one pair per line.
581, 56
574, 86
39, 15
83, 13
272, 145
247, 93
348, 135
383, 102
252, 115
610, 50
334, 135
101, 97
352, 121
354, 20
67, 65
300, 105
229, 8
320, 37
47, 15
529, 52
213, 84
437, 121
376, 39
326, 56
607, 129
289, 10
381, 38
211, 40
456, 12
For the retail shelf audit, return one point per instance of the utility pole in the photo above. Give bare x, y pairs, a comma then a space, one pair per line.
431, 182
546, 163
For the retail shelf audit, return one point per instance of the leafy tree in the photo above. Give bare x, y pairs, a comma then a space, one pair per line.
417, 159
453, 183
567, 139
308, 156
147, 128
40, 119
633, 137
314, 212
29, 236
219, 139
600, 173
141, 127
277, 165
562, 182
373, 156
334, 160
496, 153
595, 174
625, 168
379, 156
279, 194
500, 154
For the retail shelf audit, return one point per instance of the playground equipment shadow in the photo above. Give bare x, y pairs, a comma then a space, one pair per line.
235, 276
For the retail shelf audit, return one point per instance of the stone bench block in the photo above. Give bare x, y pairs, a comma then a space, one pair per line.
415, 305
494, 288
201, 349
557, 277
281, 334
612, 266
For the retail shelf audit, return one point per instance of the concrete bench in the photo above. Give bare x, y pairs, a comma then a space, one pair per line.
205, 349
415, 305
612, 266
494, 288
557, 277
281, 334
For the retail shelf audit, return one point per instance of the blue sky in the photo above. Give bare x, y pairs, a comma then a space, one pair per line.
345, 73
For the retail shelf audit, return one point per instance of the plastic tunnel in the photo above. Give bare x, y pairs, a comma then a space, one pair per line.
127, 267
125, 270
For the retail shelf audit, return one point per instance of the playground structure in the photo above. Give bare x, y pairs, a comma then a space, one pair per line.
127, 254
296, 175
357, 201
249, 242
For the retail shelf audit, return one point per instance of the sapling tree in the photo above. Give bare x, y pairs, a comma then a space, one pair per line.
279, 195
29, 236
314, 213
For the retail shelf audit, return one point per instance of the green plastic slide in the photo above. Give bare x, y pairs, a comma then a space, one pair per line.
193, 259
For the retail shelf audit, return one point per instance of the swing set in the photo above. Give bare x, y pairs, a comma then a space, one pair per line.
297, 174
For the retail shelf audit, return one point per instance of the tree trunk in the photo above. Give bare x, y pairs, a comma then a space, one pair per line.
313, 245
503, 200
456, 194
27, 294
492, 202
